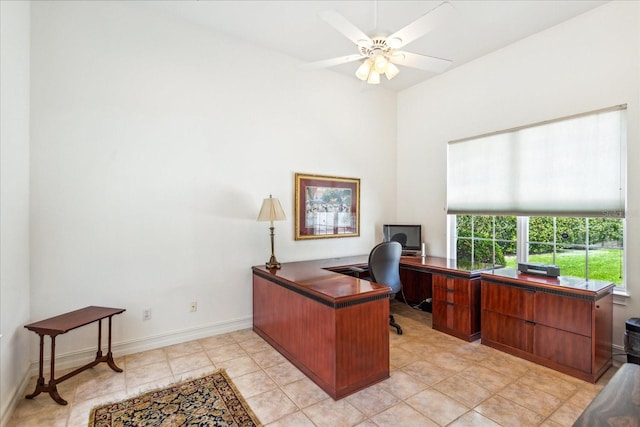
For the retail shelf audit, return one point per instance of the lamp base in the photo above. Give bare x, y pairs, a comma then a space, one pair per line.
273, 263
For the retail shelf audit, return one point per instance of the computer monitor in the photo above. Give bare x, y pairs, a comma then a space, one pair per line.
409, 236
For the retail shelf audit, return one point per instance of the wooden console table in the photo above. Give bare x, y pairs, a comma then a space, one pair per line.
62, 324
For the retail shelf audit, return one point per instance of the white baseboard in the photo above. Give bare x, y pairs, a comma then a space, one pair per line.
82, 357
18, 393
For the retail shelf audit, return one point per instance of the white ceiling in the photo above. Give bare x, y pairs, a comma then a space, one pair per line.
294, 28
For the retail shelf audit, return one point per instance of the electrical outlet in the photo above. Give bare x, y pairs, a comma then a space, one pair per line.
194, 306
146, 314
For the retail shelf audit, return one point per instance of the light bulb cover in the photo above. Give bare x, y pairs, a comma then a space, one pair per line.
380, 64
374, 78
363, 70
391, 71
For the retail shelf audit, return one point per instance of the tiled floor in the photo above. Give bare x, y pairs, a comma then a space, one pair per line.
436, 380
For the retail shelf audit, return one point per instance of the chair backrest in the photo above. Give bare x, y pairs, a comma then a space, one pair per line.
384, 265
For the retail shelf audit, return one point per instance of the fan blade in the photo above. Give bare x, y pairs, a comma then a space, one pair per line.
413, 60
331, 62
421, 26
341, 24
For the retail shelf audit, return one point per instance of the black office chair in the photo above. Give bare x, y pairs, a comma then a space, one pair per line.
384, 268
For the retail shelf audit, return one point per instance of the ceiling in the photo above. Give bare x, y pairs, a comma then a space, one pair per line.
477, 28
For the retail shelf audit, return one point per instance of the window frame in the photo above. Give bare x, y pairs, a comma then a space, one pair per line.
522, 249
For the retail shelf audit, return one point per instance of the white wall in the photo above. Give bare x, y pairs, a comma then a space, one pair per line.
587, 63
154, 142
14, 200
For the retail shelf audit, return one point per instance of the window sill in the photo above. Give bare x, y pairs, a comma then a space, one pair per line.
620, 297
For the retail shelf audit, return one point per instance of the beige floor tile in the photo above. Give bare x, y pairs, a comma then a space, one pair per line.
254, 345
225, 352
147, 374
239, 366
372, 400
463, 390
271, 406
487, 378
284, 373
304, 392
244, 335
189, 362
52, 418
216, 341
267, 358
436, 406
473, 419
552, 383
331, 413
566, 415
426, 372
402, 385
538, 401
254, 383
297, 419
145, 358
403, 415
182, 349
508, 413
104, 385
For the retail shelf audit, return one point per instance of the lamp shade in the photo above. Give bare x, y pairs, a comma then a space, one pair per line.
271, 210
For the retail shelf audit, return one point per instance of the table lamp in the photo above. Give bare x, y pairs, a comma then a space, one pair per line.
271, 211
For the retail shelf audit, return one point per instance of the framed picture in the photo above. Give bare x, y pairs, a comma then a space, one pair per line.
326, 206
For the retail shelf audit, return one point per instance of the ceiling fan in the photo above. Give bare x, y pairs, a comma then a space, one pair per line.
380, 54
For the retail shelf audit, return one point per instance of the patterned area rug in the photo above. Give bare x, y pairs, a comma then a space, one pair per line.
209, 401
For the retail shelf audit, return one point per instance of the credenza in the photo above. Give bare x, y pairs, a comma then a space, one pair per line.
563, 323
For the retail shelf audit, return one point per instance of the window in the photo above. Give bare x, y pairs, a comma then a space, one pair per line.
551, 192
581, 247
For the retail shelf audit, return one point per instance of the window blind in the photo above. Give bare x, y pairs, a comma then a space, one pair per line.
574, 166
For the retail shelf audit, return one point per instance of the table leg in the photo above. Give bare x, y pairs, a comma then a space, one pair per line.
40, 383
110, 361
50, 388
99, 353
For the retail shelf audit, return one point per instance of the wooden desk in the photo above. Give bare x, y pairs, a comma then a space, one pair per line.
563, 323
618, 403
57, 325
333, 327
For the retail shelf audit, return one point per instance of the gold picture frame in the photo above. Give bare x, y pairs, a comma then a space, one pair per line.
326, 207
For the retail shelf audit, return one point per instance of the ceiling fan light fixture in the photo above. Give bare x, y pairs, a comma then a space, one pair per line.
391, 71
374, 78
363, 70
380, 64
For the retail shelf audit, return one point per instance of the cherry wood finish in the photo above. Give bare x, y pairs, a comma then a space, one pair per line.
456, 306
562, 323
618, 403
416, 285
333, 327
454, 287
62, 324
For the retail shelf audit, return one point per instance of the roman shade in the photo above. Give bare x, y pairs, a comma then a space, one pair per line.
575, 166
